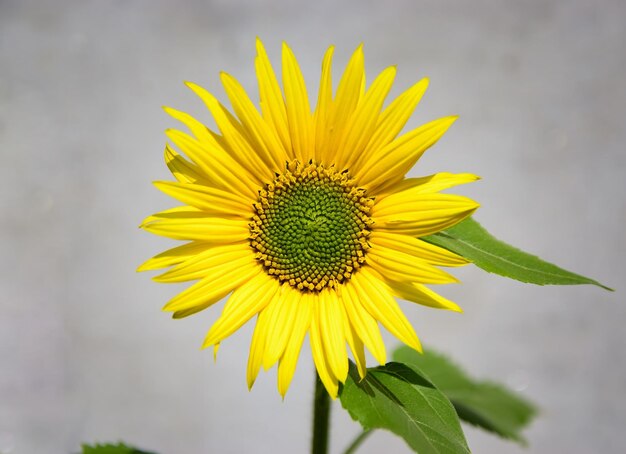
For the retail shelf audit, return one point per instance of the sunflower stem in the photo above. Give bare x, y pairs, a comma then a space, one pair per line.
321, 418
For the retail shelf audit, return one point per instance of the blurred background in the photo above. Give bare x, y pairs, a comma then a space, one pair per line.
87, 355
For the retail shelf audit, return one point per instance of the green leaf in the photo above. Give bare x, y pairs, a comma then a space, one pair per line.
399, 398
470, 240
110, 448
480, 403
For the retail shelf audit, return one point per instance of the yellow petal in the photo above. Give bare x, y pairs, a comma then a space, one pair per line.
187, 312
264, 139
422, 250
298, 109
245, 302
235, 136
432, 183
176, 212
421, 294
348, 96
174, 256
272, 102
324, 108
391, 121
257, 345
214, 287
183, 170
362, 124
392, 162
364, 324
221, 169
354, 341
197, 128
331, 326
200, 265
287, 364
212, 201
403, 267
319, 355
281, 325
199, 227
377, 299
422, 214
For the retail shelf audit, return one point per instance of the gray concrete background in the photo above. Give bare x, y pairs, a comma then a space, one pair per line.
86, 354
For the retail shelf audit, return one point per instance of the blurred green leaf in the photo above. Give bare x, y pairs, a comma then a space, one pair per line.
399, 398
480, 403
110, 448
470, 240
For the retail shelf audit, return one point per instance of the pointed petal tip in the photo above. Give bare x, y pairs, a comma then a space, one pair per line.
282, 389
192, 86
197, 89
160, 279
166, 278
208, 342
380, 357
169, 307
145, 266
145, 223
466, 206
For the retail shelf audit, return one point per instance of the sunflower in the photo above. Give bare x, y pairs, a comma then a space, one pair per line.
305, 218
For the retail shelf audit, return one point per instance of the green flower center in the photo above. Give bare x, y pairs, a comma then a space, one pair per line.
311, 226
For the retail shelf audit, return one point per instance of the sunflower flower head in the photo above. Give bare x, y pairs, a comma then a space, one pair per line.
305, 218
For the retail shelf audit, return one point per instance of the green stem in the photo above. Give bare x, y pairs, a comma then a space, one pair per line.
357, 442
321, 418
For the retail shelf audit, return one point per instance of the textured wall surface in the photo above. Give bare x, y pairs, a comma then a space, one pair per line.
86, 354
